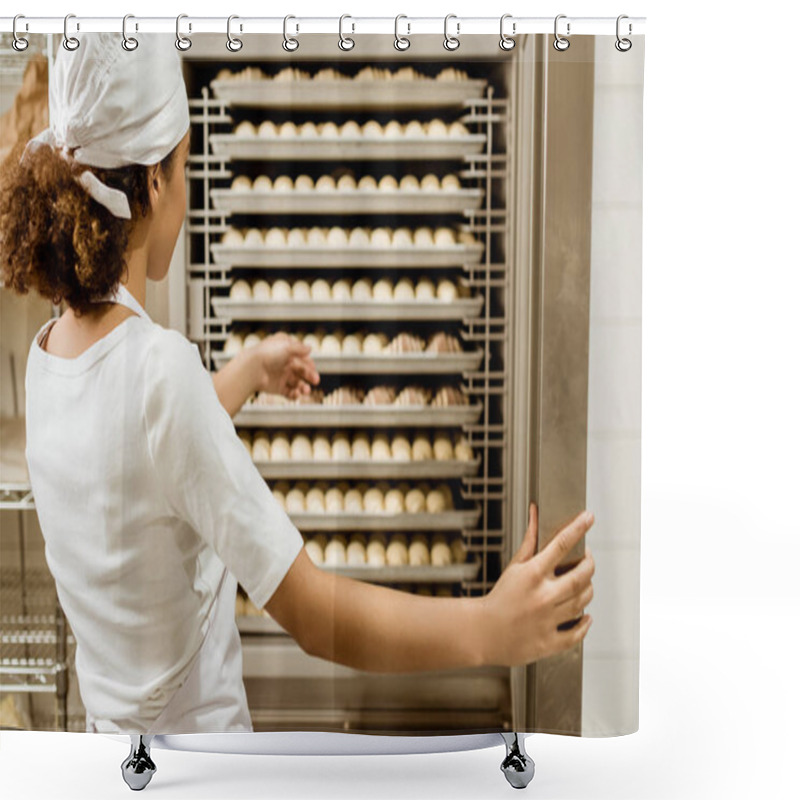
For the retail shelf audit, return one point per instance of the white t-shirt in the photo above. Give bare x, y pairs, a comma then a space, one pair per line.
144, 494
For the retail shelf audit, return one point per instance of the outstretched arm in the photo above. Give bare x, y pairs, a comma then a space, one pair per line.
378, 629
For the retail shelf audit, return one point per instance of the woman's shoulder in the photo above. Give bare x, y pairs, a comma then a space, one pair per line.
171, 361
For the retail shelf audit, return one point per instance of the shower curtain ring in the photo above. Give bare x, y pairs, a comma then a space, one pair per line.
233, 44
181, 41
129, 43
70, 42
345, 42
623, 45
560, 43
401, 42
451, 42
506, 42
20, 43
290, 44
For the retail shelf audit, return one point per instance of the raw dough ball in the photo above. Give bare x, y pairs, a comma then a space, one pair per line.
415, 501
383, 291
312, 340
301, 448
444, 237
281, 290
262, 183
360, 449
376, 551
402, 237
280, 449
316, 237
320, 290
463, 451
233, 344
446, 291
351, 130
435, 502
358, 238
267, 129
401, 449
301, 291
261, 447
356, 550
397, 551
296, 237
388, 183
321, 448
303, 183
315, 501
325, 183
430, 183
352, 344
404, 290
308, 130
330, 345
425, 290
261, 290
451, 183
421, 449
245, 128
423, 237
437, 127
353, 501
458, 550
334, 500
337, 237
314, 551
241, 183
372, 129
368, 183
347, 183
414, 129
374, 343
394, 501
329, 130
442, 447
418, 553
241, 291
335, 552
440, 552
275, 237
393, 129
295, 502
341, 290
287, 129
283, 183
254, 238
373, 500
251, 340
381, 237
458, 129
362, 290
232, 238
380, 448
340, 450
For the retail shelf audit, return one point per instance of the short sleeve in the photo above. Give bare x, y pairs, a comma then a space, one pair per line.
207, 476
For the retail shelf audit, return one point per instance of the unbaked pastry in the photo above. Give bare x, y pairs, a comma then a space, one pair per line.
351, 344
351, 129
418, 553
301, 291
325, 183
362, 290
301, 447
374, 343
241, 183
281, 290
260, 451
373, 500
340, 449
320, 290
321, 448
415, 501
287, 129
380, 396
425, 290
421, 450
280, 449
444, 237
254, 238
340, 290
381, 237
241, 291
335, 552
372, 129
329, 130
463, 450
409, 183
334, 500
382, 291
283, 183
430, 183
295, 501
359, 237
402, 237
356, 550
251, 340
267, 129
303, 183
353, 501
404, 290
388, 183
337, 237
401, 448
443, 343
263, 183
245, 128
367, 183
380, 448
442, 447
376, 551
446, 291
397, 551
275, 237
232, 238
347, 183
314, 551
423, 236
360, 448
450, 183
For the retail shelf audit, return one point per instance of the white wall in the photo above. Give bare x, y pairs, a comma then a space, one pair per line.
611, 650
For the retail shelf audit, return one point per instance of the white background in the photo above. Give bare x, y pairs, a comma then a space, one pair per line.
720, 606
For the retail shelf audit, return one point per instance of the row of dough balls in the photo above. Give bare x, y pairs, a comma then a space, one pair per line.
346, 183
321, 498
381, 395
330, 74
335, 236
339, 343
345, 290
372, 129
342, 447
380, 550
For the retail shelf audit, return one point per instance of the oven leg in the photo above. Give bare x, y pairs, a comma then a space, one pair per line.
138, 767
517, 766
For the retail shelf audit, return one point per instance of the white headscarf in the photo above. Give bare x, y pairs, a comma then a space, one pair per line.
111, 107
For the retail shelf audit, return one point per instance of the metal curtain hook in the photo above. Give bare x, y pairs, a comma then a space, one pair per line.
233, 44
181, 41
70, 42
345, 42
451, 42
290, 44
506, 42
623, 45
128, 42
401, 42
20, 43
560, 43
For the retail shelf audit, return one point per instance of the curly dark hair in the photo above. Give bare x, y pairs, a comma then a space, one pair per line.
57, 239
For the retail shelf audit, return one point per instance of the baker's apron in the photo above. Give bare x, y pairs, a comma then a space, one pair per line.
211, 698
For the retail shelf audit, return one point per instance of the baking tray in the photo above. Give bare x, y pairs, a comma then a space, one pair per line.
320, 416
315, 148
343, 521
323, 310
356, 201
347, 94
337, 257
352, 469
406, 364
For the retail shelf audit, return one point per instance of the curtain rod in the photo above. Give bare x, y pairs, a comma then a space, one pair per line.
408, 26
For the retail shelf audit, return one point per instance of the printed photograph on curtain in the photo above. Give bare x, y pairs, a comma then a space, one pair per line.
321, 385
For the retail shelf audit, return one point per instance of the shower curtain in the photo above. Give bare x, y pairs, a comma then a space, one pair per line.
455, 231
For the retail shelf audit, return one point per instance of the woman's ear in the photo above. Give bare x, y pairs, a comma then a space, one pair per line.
155, 184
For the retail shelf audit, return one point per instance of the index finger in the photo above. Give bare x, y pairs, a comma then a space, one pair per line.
565, 540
